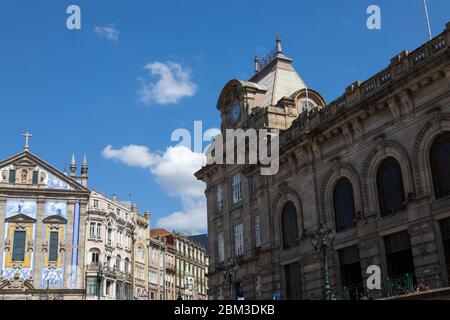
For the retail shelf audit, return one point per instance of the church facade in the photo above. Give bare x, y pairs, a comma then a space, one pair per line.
42, 214
373, 165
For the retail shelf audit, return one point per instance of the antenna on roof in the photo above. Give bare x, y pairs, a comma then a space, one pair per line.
428, 18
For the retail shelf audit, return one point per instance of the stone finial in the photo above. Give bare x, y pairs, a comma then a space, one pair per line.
84, 166
73, 165
278, 49
134, 208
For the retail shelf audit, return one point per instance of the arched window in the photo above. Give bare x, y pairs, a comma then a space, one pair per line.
440, 165
94, 256
344, 205
289, 226
391, 193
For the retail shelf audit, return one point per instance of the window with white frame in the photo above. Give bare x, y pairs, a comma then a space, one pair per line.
236, 188
152, 277
92, 230
99, 230
239, 239
221, 247
140, 254
257, 233
110, 239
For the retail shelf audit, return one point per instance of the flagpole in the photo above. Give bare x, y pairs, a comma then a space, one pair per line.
428, 18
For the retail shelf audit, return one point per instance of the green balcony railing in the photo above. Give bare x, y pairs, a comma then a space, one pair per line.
421, 281
400, 285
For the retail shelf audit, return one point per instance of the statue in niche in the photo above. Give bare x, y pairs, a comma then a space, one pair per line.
24, 176
42, 177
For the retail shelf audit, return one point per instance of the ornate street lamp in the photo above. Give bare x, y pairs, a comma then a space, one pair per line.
322, 241
231, 268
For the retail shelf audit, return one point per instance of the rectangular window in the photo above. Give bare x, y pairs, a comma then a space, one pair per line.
236, 188
92, 230
239, 240
19, 246
91, 286
99, 230
12, 176
351, 272
293, 279
53, 246
219, 198
399, 254
35, 177
257, 233
95, 203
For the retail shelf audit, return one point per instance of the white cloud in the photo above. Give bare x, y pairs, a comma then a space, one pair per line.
191, 219
132, 155
109, 33
172, 84
174, 171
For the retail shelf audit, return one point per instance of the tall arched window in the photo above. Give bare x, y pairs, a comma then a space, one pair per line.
289, 226
440, 165
344, 205
391, 193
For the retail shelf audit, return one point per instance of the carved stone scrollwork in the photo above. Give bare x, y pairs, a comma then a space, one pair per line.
62, 246
7, 244
42, 177
16, 282
20, 226
30, 245
45, 246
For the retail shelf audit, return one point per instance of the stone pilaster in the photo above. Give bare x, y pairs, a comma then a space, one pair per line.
40, 239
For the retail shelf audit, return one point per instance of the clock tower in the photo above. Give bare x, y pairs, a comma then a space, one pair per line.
272, 98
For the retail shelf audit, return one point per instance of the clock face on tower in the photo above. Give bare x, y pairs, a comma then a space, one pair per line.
235, 112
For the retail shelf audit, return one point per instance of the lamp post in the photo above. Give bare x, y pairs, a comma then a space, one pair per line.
322, 242
231, 267
99, 279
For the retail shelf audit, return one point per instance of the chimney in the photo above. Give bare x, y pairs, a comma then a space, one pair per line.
278, 49
257, 64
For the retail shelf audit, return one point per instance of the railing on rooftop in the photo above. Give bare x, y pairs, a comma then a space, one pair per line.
361, 90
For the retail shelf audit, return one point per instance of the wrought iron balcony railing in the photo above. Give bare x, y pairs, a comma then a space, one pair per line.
392, 287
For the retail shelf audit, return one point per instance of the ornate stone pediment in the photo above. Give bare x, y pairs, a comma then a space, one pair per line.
26, 166
55, 220
20, 218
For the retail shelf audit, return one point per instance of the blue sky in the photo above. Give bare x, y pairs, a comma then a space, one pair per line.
83, 90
